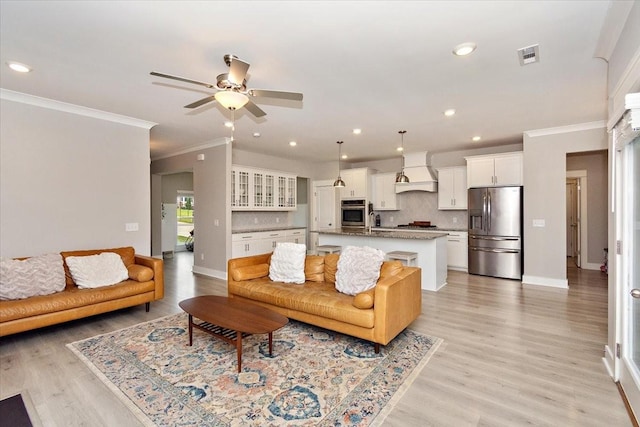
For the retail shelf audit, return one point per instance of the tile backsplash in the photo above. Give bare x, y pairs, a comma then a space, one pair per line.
257, 220
422, 206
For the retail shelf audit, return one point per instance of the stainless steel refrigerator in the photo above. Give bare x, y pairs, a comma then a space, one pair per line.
495, 232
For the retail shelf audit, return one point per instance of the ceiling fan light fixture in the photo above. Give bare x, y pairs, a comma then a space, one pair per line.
231, 100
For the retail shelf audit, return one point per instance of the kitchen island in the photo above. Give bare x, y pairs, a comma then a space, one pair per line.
431, 248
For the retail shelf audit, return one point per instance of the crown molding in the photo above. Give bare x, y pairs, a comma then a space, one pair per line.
210, 144
566, 129
51, 104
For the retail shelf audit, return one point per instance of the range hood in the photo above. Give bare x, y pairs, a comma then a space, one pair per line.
421, 176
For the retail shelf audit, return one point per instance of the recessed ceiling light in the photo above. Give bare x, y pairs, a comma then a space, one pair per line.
450, 112
20, 68
293, 143
357, 131
464, 49
476, 139
228, 124
399, 149
344, 156
256, 134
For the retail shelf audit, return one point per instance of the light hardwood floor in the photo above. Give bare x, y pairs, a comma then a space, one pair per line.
512, 355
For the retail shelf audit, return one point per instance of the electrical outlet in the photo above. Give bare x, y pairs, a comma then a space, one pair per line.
131, 226
277, 220
255, 220
391, 219
202, 257
455, 220
216, 222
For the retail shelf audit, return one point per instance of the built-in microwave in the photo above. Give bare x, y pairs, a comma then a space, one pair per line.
354, 213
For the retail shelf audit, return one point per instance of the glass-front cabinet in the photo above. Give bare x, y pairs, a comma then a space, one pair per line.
262, 190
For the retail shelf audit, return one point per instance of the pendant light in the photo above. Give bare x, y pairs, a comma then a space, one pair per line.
401, 178
339, 182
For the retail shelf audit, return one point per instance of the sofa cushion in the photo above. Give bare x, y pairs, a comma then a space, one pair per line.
331, 267
39, 275
314, 268
358, 269
320, 299
287, 263
364, 300
390, 268
70, 299
140, 273
94, 271
128, 255
249, 272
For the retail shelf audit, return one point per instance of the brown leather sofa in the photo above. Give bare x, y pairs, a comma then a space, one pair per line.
377, 315
145, 284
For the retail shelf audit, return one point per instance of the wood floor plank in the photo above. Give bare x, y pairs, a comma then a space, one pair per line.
512, 355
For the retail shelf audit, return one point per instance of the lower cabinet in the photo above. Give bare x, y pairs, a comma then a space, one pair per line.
457, 248
261, 242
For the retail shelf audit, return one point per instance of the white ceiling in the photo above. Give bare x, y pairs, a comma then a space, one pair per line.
380, 66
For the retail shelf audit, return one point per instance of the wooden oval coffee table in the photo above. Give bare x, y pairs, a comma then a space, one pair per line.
231, 320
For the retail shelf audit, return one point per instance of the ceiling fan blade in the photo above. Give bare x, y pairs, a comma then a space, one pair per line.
237, 71
294, 96
254, 109
182, 79
201, 102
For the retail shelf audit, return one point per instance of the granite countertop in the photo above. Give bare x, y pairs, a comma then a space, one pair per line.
256, 230
421, 230
388, 234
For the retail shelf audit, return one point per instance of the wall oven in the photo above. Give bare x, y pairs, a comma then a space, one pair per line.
354, 213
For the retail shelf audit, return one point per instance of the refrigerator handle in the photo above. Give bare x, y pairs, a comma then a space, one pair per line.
484, 211
489, 212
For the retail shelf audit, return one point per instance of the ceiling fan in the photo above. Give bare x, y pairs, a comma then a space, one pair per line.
232, 88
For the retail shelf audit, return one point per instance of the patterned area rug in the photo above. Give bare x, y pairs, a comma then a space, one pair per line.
314, 377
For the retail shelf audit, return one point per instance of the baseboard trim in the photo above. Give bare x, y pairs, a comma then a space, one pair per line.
590, 266
217, 274
545, 281
627, 405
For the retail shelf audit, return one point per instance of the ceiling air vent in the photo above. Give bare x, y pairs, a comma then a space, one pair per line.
529, 55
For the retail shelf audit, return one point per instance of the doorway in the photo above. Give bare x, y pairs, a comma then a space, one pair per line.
573, 190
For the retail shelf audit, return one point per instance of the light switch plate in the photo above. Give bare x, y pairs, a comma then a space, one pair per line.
131, 226
538, 223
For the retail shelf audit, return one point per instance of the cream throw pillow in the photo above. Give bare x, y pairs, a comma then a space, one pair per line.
95, 271
38, 275
287, 263
358, 269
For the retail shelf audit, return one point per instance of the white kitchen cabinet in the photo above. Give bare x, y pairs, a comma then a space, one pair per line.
494, 170
356, 184
452, 188
262, 242
254, 189
457, 248
298, 235
384, 196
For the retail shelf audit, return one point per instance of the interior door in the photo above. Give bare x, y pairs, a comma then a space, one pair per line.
630, 367
325, 207
573, 219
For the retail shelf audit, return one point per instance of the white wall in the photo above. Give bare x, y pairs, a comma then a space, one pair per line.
70, 181
545, 174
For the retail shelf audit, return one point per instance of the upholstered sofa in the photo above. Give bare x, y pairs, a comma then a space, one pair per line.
376, 315
145, 284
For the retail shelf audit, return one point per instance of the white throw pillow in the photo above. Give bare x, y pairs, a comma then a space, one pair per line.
287, 263
94, 271
358, 269
38, 275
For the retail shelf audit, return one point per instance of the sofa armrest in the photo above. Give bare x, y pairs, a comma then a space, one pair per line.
397, 303
244, 262
157, 265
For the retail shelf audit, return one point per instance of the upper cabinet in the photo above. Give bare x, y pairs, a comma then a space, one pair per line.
356, 184
494, 170
452, 188
384, 192
262, 190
